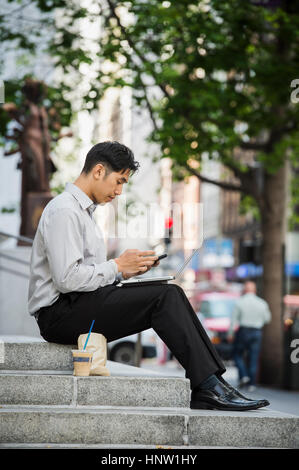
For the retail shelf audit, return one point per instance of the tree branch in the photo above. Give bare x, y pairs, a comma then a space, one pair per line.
61, 136
11, 137
11, 152
220, 184
150, 109
132, 45
274, 137
253, 146
247, 179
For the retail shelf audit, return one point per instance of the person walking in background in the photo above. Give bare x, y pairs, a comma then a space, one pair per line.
250, 313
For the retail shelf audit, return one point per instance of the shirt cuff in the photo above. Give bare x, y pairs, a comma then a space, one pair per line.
113, 262
118, 275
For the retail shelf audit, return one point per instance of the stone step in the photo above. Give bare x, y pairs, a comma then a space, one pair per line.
21, 353
41, 373
42, 403
147, 426
27, 388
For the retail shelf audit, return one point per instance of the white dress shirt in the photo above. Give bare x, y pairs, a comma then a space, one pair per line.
68, 251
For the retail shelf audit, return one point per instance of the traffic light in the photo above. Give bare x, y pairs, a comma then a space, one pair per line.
168, 230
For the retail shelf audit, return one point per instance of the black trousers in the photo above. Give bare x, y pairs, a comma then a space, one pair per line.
122, 311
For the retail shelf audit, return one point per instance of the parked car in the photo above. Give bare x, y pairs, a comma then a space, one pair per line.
123, 349
215, 314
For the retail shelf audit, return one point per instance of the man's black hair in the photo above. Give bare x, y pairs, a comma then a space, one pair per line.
113, 155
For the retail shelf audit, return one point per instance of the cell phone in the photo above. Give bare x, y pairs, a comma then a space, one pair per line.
160, 257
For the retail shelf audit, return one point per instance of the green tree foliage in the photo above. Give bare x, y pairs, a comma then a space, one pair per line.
214, 75
224, 72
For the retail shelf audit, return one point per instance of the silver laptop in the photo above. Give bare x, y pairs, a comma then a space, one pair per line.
162, 279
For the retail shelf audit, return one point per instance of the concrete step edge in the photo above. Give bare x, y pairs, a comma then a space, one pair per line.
129, 426
49, 445
69, 373
41, 355
48, 389
263, 413
92, 409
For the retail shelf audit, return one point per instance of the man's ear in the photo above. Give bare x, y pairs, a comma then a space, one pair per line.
98, 170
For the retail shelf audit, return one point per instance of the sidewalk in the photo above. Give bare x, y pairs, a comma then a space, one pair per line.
284, 401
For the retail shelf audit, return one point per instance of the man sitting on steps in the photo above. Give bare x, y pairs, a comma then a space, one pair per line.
72, 283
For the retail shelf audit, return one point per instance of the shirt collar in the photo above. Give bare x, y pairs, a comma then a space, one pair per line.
84, 201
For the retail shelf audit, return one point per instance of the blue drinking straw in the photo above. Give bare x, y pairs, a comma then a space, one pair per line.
88, 335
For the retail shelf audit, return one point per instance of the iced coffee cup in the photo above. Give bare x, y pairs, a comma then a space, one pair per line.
82, 362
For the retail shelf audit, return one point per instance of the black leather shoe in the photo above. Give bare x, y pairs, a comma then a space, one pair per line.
221, 397
238, 393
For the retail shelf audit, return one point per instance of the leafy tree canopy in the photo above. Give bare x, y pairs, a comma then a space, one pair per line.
216, 76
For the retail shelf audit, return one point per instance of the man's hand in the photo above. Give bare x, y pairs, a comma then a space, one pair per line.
127, 276
135, 262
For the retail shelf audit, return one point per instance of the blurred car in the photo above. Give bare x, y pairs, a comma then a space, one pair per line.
123, 349
215, 315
